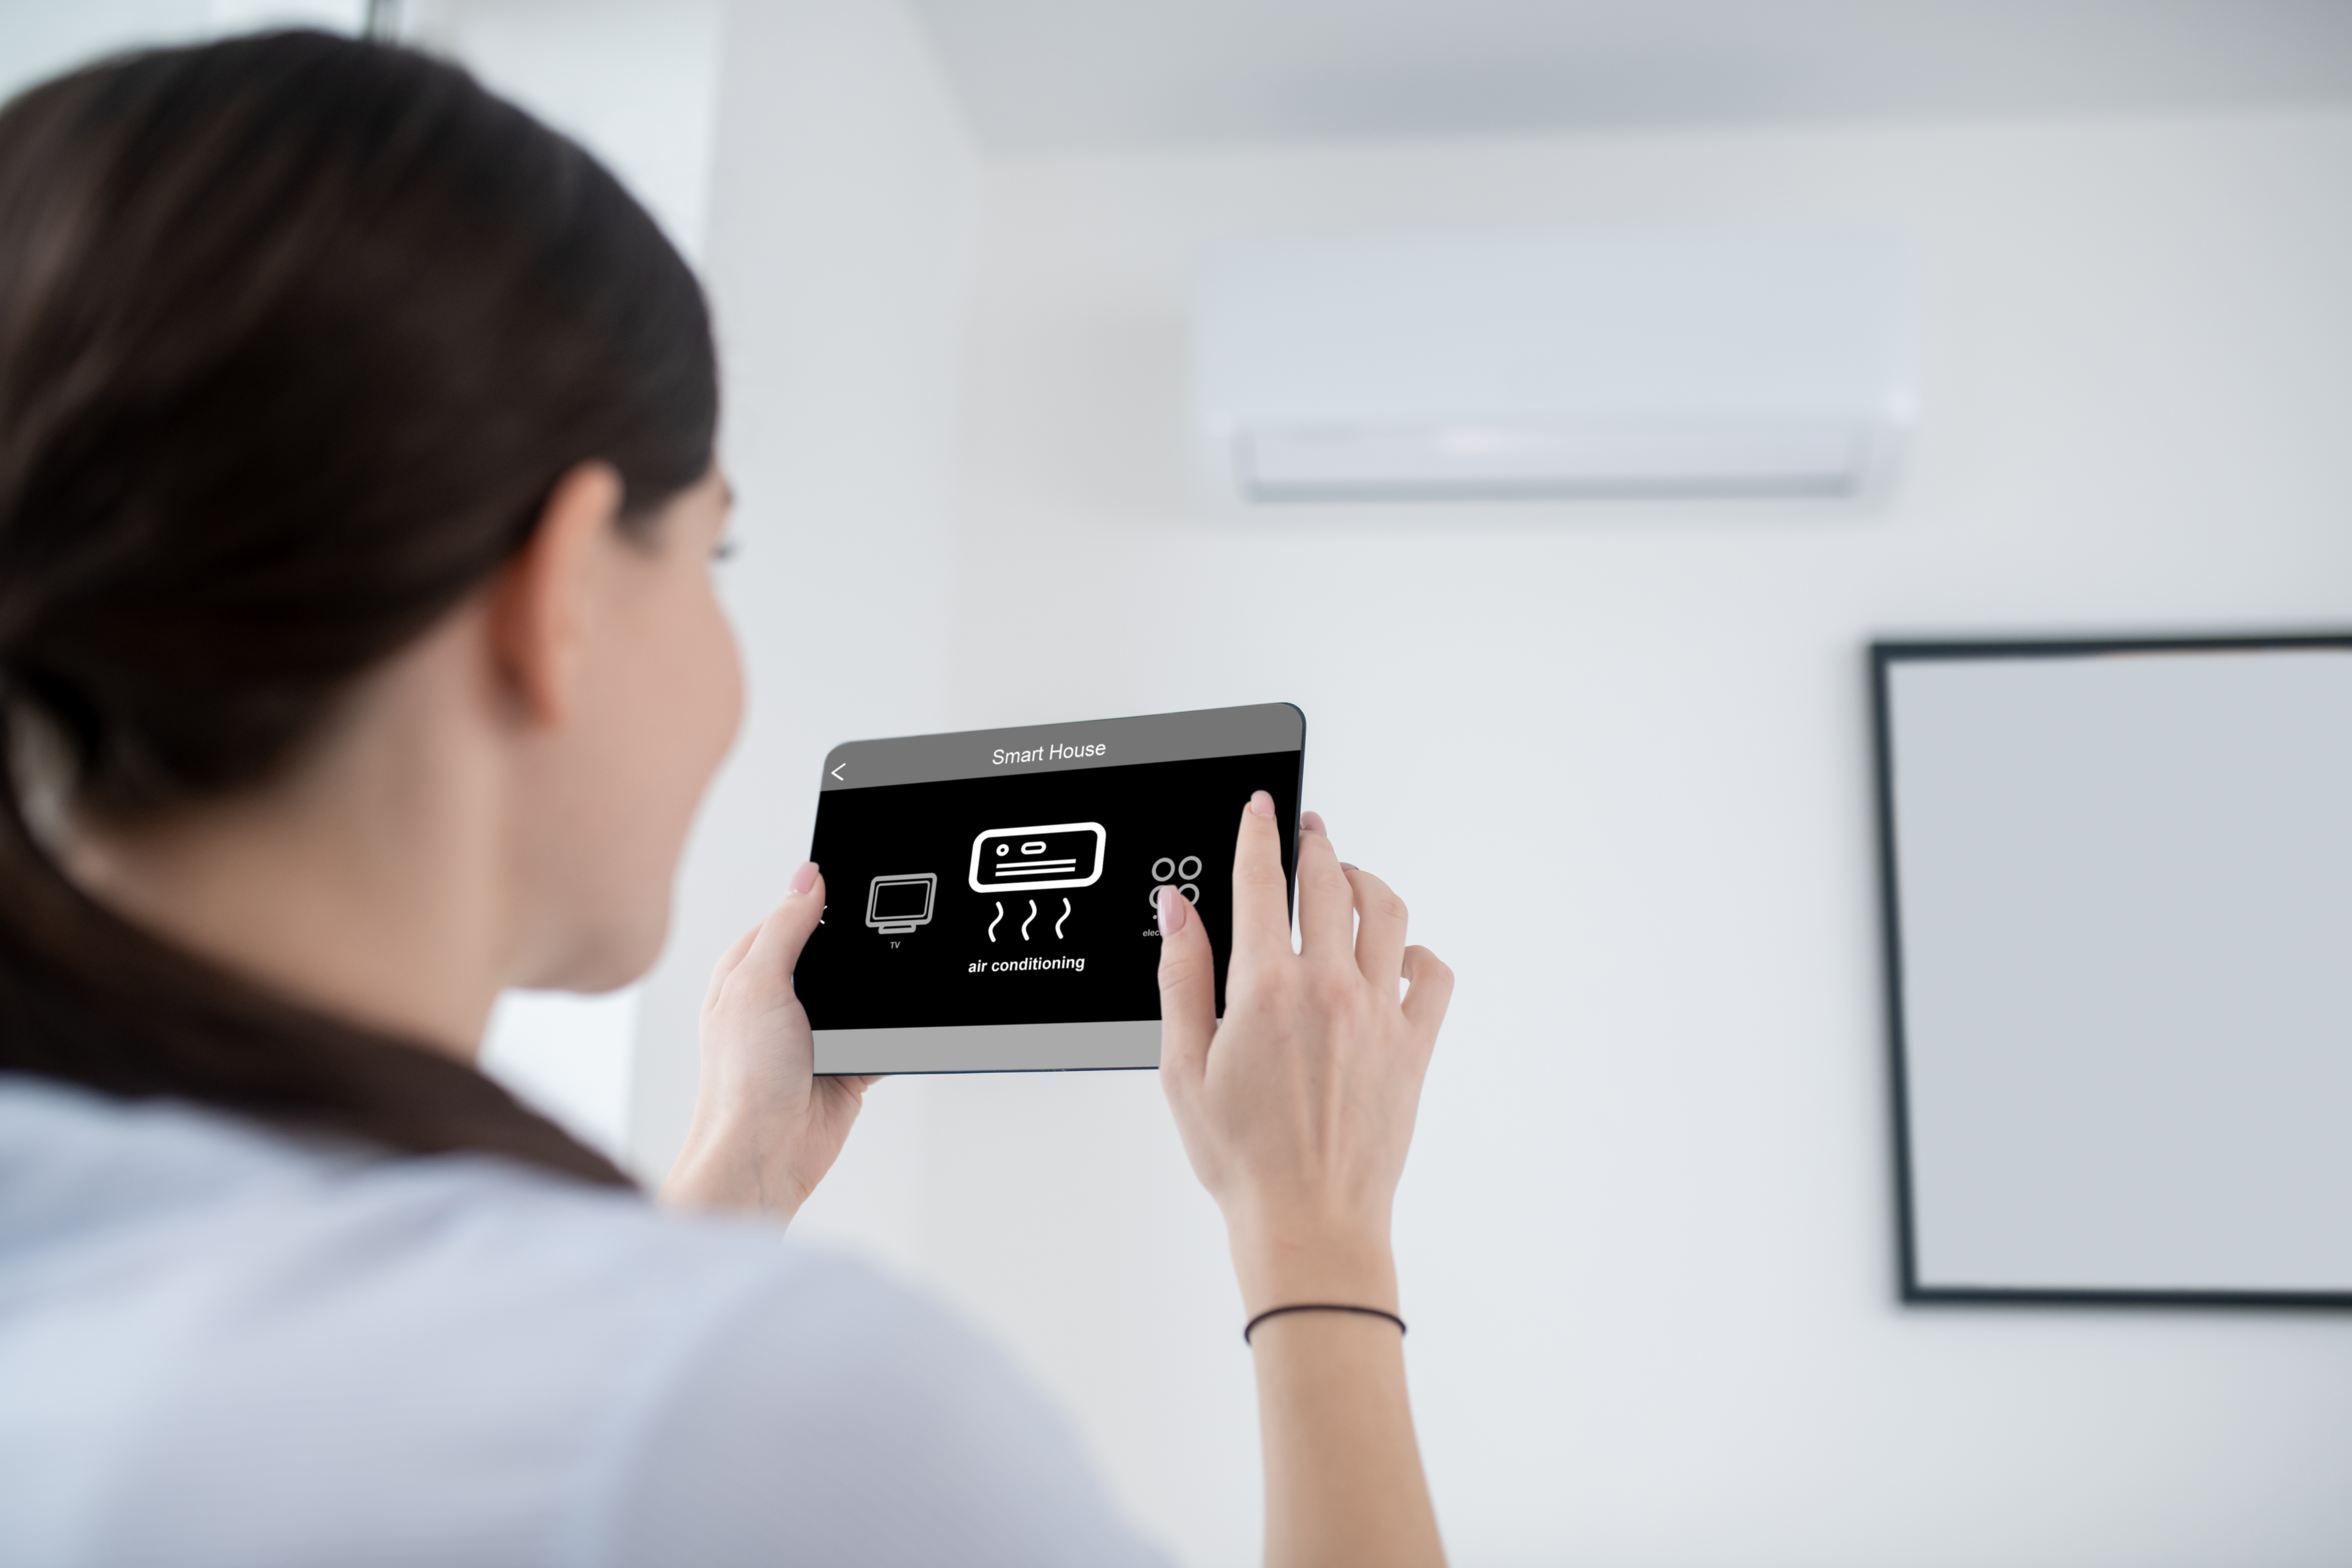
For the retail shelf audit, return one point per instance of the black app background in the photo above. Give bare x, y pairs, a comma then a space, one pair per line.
1156, 816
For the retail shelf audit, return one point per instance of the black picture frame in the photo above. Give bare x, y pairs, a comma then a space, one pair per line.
1884, 654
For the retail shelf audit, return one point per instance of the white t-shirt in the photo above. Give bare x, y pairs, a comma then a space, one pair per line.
223, 1346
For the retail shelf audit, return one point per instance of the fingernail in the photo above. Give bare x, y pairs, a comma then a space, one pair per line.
1262, 803
1313, 822
805, 879
1172, 911
1349, 866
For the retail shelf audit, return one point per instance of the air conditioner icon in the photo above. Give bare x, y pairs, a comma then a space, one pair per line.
1024, 859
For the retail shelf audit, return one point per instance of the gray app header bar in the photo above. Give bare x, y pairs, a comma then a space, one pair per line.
1062, 748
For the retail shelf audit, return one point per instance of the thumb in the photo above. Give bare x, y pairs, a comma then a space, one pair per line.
1187, 990
725, 967
776, 942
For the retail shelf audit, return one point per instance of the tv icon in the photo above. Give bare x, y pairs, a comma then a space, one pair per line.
1058, 855
894, 905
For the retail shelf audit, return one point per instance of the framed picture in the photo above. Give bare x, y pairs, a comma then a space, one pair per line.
2117, 885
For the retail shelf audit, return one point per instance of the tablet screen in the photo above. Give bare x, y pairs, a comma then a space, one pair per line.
992, 895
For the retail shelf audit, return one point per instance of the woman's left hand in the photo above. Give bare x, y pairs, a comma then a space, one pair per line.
766, 1130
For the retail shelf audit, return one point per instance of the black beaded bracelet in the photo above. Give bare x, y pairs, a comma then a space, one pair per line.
1251, 1327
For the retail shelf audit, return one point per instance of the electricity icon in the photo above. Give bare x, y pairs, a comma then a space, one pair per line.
1166, 869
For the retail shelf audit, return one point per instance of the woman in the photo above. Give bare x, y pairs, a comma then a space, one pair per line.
360, 659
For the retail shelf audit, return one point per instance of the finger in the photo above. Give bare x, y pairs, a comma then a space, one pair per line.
1430, 986
776, 945
1261, 893
1327, 904
1188, 992
1380, 927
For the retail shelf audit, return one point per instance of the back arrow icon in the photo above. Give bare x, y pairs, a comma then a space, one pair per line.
836, 771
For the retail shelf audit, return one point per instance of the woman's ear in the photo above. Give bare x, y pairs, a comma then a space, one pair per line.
544, 604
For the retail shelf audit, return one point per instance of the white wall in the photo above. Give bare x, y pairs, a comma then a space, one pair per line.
1615, 756
40, 38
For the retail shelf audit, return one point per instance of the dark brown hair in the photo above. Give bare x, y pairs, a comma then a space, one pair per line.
296, 335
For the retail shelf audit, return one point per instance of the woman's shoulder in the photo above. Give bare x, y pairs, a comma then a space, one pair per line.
89, 1183
254, 1246
274, 1346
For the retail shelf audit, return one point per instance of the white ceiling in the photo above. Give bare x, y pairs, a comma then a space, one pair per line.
1049, 74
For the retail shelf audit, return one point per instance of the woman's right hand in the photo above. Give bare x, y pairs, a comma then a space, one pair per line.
1297, 1110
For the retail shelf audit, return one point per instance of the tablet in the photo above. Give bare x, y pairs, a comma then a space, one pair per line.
992, 895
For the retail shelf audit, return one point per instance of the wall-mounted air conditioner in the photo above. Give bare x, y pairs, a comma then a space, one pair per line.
1474, 367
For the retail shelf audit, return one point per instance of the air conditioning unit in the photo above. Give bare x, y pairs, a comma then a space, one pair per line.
1447, 368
